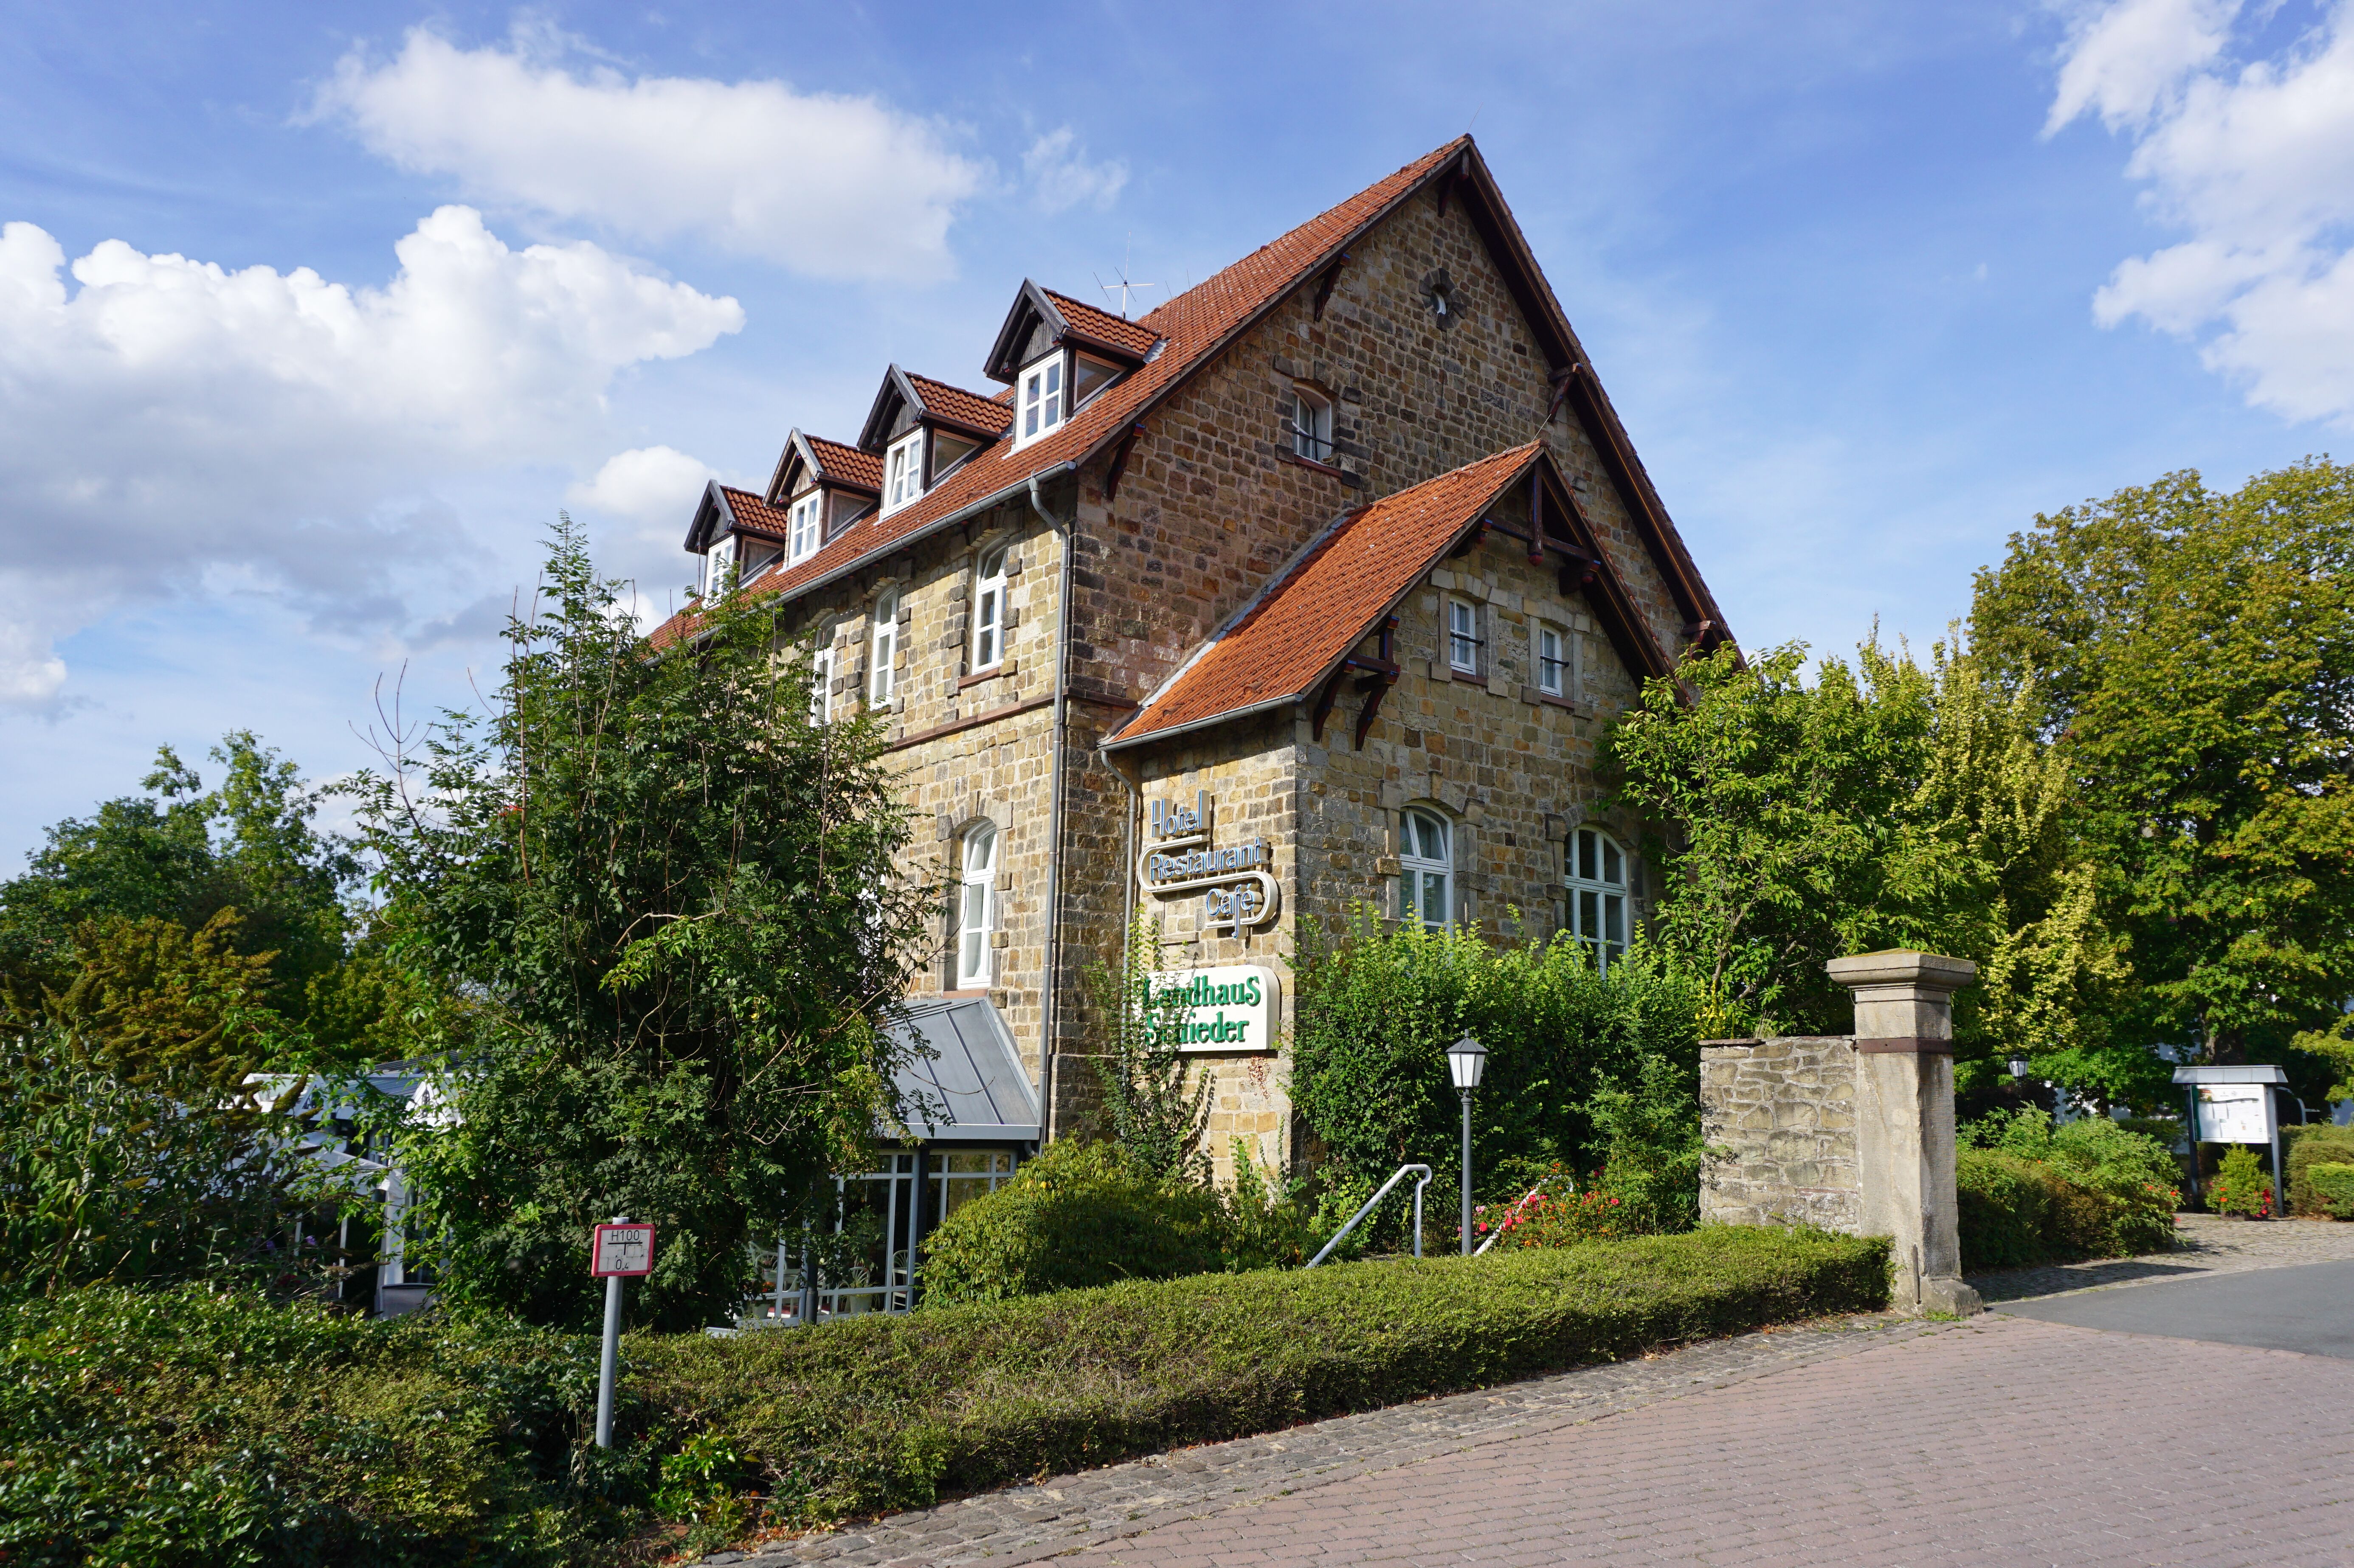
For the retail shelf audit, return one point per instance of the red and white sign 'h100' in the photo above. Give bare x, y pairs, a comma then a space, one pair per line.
626, 1251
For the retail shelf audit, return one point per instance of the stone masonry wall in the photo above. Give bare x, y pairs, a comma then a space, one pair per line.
1778, 1117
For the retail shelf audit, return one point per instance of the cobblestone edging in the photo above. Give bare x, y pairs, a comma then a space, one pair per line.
1026, 1524
2210, 1246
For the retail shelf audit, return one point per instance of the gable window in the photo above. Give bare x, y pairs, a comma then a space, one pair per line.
903, 473
717, 563
1596, 875
1426, 870
822, 678
1308, 419
1552, 662
1463, 636
808, 525
974, 906
1041, 403
989, 611
881, 680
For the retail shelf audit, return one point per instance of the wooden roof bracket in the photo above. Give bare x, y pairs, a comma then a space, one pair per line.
1325, 701
1561, 380
1536, 515
1120, 461
1325, 284
1381, 674
1372, 687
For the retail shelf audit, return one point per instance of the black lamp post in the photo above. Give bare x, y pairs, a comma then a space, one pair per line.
1467, 1059
2019, 1067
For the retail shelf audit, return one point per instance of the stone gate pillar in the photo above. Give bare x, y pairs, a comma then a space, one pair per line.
1905, 1117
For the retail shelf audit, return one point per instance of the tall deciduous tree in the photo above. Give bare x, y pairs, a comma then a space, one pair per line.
1880, 806
677, 913
2196, 651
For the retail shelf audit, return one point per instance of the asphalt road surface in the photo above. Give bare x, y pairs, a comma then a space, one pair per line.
2309, 1309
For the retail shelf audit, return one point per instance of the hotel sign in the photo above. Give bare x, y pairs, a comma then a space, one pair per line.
1237, 881
1231, 1008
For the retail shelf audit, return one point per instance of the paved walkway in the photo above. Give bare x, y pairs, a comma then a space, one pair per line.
1867, 1440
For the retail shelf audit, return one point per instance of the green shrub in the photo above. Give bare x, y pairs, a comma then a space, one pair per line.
2241, 1185
1078, 1215
177, 1427
1556, 1214
1374, 1017
2306, 1147
2333, 1189
2032, 1191
876, 1413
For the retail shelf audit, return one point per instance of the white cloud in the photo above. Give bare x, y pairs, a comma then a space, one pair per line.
2256, 164
653, 487
170, 427
830, 185
1061, 178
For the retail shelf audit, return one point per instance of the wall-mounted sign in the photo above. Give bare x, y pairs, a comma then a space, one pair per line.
1231, 1008
1237, 881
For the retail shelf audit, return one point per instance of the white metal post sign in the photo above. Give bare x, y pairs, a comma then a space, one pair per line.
622, 1252
1231, 1008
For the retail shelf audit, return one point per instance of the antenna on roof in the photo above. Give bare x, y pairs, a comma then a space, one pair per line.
1126, 283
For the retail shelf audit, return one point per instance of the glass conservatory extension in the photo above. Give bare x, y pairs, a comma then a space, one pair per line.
973, 1116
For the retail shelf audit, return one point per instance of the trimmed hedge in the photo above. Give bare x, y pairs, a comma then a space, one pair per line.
881, 1414
178, 1427
1075, 1216
2333, 1189
2304, 1148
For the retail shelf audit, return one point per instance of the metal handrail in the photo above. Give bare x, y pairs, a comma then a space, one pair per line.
1403, 1170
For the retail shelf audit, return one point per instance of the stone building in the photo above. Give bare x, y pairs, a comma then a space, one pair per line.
1306, 591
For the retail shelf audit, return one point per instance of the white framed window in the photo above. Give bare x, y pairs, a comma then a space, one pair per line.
1463, 636
1553, 661
1597, 878
1425, 869
1042, 402
1309, 420
989, 611
822, 678
976, 906
883, 648
717, 563
903, 473
808, 525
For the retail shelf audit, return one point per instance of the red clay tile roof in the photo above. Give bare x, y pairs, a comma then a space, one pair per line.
960, 407
1284, 645
1197, 324
756, 515
1111, 331
840, 464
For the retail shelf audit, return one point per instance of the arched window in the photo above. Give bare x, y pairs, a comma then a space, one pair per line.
821, 677
989, 611
883, 651
1425, 869
1596, 876
975, 905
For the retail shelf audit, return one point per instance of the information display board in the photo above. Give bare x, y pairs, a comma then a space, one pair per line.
2235, 1113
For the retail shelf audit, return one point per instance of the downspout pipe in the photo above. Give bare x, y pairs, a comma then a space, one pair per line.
1051, 1001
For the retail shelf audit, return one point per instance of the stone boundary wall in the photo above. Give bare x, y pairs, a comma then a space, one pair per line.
1778, 1117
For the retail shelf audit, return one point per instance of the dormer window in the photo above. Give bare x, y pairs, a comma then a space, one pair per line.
903, 473
1089, 378
808, 525
717, 562
1043, 402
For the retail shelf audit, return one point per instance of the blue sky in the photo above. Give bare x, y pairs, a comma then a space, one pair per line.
312, 317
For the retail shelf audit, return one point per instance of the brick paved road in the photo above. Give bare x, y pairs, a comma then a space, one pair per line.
2000, 1441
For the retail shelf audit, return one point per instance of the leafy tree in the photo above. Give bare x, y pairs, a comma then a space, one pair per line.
675, 912
2195, 651
184, 854
1882, 805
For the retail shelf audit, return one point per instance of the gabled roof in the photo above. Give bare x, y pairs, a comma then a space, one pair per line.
1294, 637
936, 402
831, 462
1197, 324
1069, 322
725, 509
